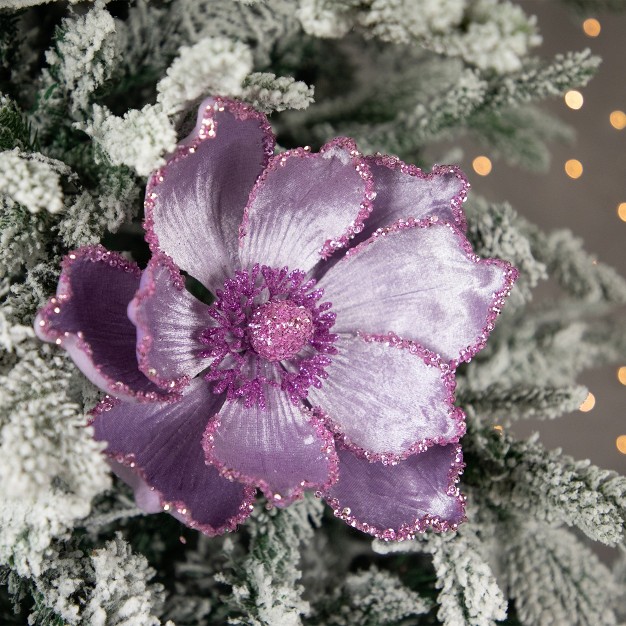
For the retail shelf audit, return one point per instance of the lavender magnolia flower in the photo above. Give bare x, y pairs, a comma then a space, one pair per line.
346, 294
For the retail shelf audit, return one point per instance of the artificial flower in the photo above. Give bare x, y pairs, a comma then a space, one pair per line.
345, 296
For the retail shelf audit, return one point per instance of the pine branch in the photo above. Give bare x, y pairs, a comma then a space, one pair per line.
547, 485
264, 585
555, 579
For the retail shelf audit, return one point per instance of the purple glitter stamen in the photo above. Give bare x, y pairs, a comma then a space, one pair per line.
268, 315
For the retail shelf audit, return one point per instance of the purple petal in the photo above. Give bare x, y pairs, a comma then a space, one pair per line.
146, 499
421, 280
88, 319
282, 449
306, 206
388, 402
395, 501
169, 321
163, 444
404, 191
195, 203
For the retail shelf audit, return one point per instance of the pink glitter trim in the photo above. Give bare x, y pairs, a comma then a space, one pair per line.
75, 342
360, 165
419, 525
279, 500
177, 506
205, 130
144, 338
497, 301
456, 202
455, 413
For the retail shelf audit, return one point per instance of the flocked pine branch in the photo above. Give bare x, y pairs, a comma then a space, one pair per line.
469, 594
265, 589
507, 404
553, 578
545, 485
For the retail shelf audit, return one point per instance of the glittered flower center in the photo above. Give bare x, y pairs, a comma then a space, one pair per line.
265, 316
279, 329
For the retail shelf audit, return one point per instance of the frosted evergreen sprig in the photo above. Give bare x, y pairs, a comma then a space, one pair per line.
555, 579
214, 65
533, 346
270, 93
32, 180
265, 589
508, 404
109, 586
375, 597
547, 485
49, 464
469, 594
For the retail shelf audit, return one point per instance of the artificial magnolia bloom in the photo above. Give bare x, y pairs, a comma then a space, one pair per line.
345, 295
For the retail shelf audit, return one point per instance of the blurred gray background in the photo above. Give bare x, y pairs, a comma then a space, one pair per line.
587, 206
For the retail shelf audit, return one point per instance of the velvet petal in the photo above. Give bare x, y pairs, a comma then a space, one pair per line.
395, 501
195, 203
282, 448
420, 280
404, 191
386, 401
169, 322
306, 206
162, 442
88, 318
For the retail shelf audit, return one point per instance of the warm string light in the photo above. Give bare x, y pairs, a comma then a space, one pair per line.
618, 120
574, 99
482, 165
621, 374
588, 403
592, 27
621, 211
620, 444
574, 168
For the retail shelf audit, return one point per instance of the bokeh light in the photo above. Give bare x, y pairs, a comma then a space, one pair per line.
621, 374
574, 99
618, 120
588, 403
592, 27
482, 165
574, 168
621, 211
620, 443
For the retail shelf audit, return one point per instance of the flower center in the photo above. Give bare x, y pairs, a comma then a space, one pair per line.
279, 329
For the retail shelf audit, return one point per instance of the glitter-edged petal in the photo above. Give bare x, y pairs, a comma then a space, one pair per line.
397, 501
87, 318
169, 323
421, 280
404, 191
385, 402
306, 206
282, 449
162, 443
195, 203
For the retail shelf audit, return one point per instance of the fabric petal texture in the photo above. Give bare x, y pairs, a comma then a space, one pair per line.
195, 203
306, 206
387, 402
169, 322
283, 449
419, 279
162, 442
397, 501
87, 318
405, 191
